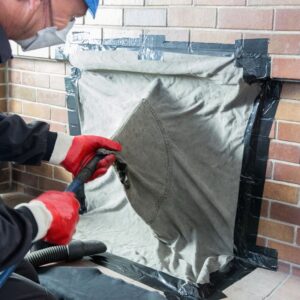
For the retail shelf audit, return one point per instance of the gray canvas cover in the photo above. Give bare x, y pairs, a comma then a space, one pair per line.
181, 122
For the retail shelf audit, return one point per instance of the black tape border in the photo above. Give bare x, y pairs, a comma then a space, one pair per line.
254, 168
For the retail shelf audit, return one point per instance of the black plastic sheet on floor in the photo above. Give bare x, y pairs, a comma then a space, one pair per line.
78, 283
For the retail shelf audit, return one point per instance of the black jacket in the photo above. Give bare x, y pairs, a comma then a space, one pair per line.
26, 144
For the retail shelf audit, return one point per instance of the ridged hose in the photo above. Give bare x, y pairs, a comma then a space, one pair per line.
76, 250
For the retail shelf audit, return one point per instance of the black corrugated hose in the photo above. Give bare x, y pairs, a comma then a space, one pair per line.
76, 250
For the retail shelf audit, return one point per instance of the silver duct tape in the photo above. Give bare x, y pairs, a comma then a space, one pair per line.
72, 98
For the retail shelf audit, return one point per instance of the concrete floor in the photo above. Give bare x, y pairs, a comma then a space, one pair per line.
258, 285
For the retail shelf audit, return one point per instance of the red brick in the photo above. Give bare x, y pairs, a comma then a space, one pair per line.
286, 252
291, 91
285, 213
62, 174
25, 178
287, 173
46, 184
284, 267
4, 175
298, 237
114, 17
287, 19
22, 92
14, 77
59, 115
269, 171
273, 2
220, 2
52, 98
296, 271
31, 191
43, 170
36, 110
209, 36
57, 83
36, 80
288, 110
260, 241
2, 91
138, 17
192, 17
3, 106
272, 134
279, 43
281, 192
58, 127
135, 2
284, 44
276, 230
22, 64
289, 132
286, 68
284, 152
2, 76
50, 67
245, 18
264, 211
14, 106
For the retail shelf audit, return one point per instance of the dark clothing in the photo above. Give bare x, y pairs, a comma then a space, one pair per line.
23, 143
24, 285
26, 144
5, 49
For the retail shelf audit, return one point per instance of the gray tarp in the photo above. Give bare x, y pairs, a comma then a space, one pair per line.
181, 122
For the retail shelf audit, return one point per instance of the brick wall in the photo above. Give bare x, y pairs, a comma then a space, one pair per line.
36, 91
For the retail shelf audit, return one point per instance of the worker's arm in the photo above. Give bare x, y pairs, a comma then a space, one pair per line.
18, 229
25, 144
31, 143
52, 216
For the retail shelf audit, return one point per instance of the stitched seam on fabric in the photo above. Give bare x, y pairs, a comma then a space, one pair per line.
168, 162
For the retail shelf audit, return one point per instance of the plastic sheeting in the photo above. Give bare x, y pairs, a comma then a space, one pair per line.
182, 123
78, 283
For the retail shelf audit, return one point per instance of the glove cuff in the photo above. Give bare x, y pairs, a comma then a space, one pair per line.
41, 215
61, 148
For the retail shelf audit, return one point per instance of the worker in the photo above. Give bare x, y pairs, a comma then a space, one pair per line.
52, 216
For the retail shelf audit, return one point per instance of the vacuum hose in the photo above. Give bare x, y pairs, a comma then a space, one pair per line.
74, 251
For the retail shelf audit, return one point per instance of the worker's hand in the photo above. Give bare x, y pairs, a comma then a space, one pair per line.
76, 152
56, 214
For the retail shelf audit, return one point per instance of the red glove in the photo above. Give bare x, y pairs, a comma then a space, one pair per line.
64, 210
80, 150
